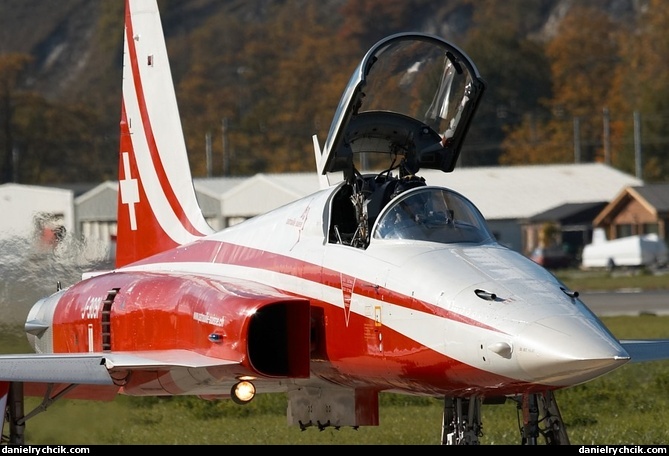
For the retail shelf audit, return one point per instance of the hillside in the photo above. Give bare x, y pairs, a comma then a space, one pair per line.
77, 52
66, 42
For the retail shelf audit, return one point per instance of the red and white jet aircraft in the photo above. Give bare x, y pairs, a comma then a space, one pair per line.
376, 283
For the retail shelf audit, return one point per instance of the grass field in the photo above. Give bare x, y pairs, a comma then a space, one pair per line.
618, 279
628, 406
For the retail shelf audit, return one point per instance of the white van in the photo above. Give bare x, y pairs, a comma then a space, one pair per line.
630, 251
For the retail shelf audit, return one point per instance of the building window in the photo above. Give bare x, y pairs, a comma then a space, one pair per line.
651, 228
623, 230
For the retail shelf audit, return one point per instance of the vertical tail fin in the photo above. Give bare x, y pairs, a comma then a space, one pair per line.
157, 205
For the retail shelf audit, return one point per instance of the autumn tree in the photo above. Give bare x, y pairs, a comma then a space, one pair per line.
57, 142
365, 23
272, 84
641, 87
12, 67
583, 56
43, 141
212, 88
311, 72
514, 68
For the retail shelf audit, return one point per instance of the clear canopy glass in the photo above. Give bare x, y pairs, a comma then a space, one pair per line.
432, 214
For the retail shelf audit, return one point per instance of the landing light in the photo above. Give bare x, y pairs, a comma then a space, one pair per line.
243, 392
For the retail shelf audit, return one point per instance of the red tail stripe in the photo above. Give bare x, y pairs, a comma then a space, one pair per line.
146, 121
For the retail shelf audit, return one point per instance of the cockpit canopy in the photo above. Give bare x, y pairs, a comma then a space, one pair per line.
411, 99
377, 208
432, 214
407, 106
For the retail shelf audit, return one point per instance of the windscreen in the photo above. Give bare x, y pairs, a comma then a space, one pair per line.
432, 214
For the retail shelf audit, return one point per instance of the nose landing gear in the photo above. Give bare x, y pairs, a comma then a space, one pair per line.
538, 416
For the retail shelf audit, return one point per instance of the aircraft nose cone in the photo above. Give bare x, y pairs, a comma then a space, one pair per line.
568, 350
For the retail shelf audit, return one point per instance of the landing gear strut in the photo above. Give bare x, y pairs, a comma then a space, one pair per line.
14, 416
461, 424
541, 416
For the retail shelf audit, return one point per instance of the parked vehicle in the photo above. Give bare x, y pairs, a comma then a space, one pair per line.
552, 257
631, 251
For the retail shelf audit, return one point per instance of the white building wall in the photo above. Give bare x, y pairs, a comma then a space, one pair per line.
25, 207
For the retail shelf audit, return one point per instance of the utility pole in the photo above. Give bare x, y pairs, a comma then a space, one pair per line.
224, 140
607, 136
637, 145
577, 140
15, 164
208, 152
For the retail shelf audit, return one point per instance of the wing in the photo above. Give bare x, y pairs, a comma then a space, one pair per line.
55, 368
100, 376
643, 350
97, 368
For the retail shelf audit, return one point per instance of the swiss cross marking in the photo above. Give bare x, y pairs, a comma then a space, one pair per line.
129, 191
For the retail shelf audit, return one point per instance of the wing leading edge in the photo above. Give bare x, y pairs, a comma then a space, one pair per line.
55, 368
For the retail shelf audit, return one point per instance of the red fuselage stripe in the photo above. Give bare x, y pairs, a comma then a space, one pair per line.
237, 255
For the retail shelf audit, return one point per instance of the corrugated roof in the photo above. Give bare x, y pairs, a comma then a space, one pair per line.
95, 191
299, 183
78, 188
500, 192
519, 192
217, 185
